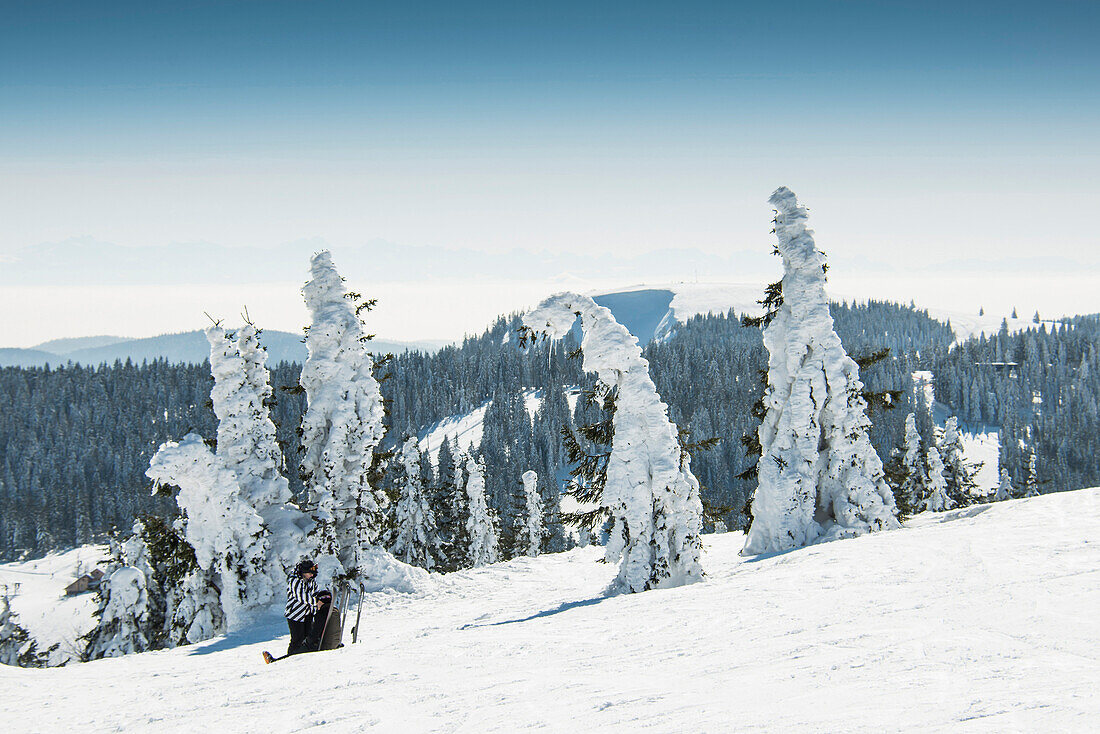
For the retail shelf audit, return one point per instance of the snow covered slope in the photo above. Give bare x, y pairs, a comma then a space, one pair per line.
981, 620
464, 430
37, 590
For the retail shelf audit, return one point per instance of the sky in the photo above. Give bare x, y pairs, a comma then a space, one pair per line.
187, 133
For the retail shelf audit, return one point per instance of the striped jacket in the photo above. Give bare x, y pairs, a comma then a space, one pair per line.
299, 598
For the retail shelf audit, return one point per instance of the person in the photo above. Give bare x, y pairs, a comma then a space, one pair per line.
301, 605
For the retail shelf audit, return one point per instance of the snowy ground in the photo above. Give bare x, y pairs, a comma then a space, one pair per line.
37, 590
981, 620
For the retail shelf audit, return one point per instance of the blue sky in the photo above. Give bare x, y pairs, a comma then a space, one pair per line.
915, 131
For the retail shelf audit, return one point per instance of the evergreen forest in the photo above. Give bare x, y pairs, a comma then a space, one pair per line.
76, 440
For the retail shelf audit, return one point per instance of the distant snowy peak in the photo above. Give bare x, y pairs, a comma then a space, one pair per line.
652, 312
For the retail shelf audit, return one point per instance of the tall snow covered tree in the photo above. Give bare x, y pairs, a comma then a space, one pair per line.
341, 427
480, 525
415, 535
652, 496
533, 529
958, 474
819, 476
224, 531
247, 448
247, 443
938, 499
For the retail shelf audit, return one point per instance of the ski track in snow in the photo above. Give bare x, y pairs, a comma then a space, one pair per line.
977, 620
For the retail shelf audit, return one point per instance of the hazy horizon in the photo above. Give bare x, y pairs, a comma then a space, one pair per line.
509, 135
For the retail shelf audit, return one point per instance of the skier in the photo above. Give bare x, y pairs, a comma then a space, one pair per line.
301, 605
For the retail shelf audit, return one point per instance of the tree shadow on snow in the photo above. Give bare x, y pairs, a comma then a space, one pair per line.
563, 607
252, 635
773, 554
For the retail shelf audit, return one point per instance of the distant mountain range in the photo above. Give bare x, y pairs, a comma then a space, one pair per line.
650, 312
189, 347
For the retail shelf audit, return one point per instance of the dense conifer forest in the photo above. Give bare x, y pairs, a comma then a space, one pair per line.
76, 440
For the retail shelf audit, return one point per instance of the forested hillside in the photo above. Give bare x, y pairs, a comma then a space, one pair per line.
76, 441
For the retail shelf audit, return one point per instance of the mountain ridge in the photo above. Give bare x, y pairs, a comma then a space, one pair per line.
181, 347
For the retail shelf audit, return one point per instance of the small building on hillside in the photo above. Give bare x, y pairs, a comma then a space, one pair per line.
96, 577
79, 586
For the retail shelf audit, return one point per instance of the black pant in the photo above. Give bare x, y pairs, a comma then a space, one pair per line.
299, 634
317, 628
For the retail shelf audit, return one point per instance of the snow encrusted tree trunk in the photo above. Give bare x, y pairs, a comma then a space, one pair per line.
533, 528
415, 538
341, 427
479, 525
650, 492
1004, 487
252, 451
819, 476
938, 500
224, 531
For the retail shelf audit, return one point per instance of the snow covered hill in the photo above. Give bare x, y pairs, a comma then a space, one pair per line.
37, 592
981, 620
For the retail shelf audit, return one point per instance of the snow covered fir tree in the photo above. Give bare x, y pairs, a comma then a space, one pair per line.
819, 476
957, 472
481, 524
341, 427
650, 493
910, 477
1004, 487
939, 498
532, 531
415, 531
